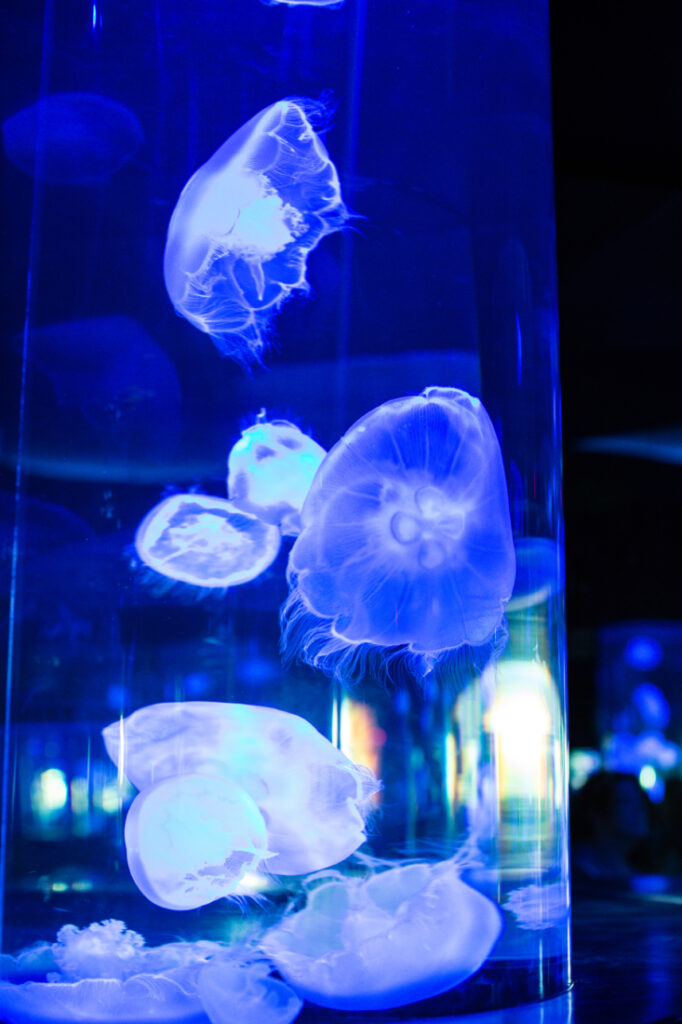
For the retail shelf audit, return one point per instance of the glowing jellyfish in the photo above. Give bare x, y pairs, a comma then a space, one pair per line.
313, 798
190, 840
72, 137
233, 994
405, 934
245, 222
270, 470
537, 907
406, 546
205, 541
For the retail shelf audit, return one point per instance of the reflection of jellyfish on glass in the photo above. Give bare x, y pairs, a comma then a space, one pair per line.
406, 548
205, 541
401, 935
245, 222
270, 470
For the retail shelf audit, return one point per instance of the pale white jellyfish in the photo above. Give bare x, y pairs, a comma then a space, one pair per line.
406, 549
402, 935
313, 798
233, 994
537, 907
270, 470
205, 541
245, 222
191, 839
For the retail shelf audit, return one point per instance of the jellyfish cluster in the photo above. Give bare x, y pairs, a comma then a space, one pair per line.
105, 973
231, 788
245, 222
405, 549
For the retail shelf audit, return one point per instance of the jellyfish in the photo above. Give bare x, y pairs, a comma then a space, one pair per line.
404, 934
190, 840
313, 798
205, 541
537, 907
270, 470
405, 550
233, 994
72, 138
245, 222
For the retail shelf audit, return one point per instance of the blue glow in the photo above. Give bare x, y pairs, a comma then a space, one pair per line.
400, 935
245, 222
406, 542
652, 706
270, 470
205, 541
305, 3
72, 138
94, 16
643, 653
313, 799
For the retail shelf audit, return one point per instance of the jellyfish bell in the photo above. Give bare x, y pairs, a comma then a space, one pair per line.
240, 234
190, 840
401, 935
406, 549
205, 541
270, 470
236, 994
75, 138
313, 798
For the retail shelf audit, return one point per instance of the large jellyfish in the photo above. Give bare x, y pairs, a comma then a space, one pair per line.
405, 934
406, 545
313, 798
72, 137
270, 470
205, 541
245, 222
234, 994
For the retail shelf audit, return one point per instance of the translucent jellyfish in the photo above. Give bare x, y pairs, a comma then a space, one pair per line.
406, 546
205, 541
232, 994
313, 798
190, 840
245, 222
270, 470
537, 907
72, 137
405, 934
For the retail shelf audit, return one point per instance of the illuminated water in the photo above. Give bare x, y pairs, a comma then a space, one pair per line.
354, 808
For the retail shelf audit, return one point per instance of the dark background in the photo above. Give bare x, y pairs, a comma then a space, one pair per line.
618, 137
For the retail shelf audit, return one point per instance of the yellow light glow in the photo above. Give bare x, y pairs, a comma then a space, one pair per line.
361, 739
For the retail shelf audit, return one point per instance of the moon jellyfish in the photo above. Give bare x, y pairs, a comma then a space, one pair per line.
245, 222
270, 470
233, 994
406, 545
169, 998
402, 935
205, 541
72, 138
190, 840
313, 798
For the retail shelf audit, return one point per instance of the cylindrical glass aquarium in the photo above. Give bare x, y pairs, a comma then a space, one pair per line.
282, 542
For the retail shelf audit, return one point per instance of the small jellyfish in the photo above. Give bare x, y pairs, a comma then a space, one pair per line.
190, 840
74, 138
205, 541
537, 907
236, 994
270, 470
401, 935
406, 547
245, 222
313, 798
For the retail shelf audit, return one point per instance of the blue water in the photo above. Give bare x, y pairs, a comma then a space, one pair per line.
363, 210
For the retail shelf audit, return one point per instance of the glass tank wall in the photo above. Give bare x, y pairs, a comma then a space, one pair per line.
281, 513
